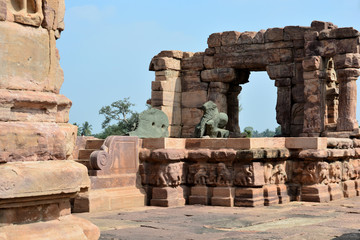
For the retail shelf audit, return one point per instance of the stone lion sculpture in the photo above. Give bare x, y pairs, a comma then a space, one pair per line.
212, 123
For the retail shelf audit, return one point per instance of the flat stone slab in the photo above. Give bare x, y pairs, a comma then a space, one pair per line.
296, 220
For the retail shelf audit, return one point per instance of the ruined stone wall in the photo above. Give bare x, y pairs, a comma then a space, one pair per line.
314, 69
33, 115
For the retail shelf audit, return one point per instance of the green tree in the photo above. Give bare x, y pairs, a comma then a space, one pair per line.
85, 129
278, 131
249, 131
119, 112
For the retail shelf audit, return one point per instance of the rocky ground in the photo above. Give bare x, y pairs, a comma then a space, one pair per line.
296, 220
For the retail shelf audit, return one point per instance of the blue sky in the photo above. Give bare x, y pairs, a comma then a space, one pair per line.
107, 46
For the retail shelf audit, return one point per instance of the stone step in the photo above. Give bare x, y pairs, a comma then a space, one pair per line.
85, 162
85, 153
94, 143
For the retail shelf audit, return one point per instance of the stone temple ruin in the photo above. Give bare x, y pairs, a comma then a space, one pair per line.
43, 181
315, 70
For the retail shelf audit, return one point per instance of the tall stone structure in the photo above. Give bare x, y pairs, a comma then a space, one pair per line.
37, 179
314, 68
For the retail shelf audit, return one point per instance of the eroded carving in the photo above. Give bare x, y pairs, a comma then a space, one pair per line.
167, 174
224, 176
275, 174
200, 175
312, 173
27, 12
348, 172
335, 172
244, 176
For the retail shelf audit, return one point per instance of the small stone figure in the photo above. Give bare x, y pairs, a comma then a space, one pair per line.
213, 123
223, 174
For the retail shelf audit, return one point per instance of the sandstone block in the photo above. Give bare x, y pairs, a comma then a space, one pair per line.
349, 60
28, 56
191, 116
3, 10
218, 75
347, 45
164, 63
187, 131
246, 37
69, 227
283, 195
168, 74
42, 178
279, 44
171, 54
259, 37
25, 141
199, 154
249, 197
210, 51
312, 63
349, 189
30, 106
280, 71
294, 32
335, 191
297, 115
169, 85
191, 75
274, 34
320, 25
219, 99
229, 38
315, 193
347, 32
283, 82
193, 99
348, 73
193, 63
173, 113
188, 54
192, 86
311, 35
208, 62
162, 98
165, 143
280, 55
168, 154
175, 131
311, 88
214, 40
219, 87
298, 78
306, 143
270, 195
311, 75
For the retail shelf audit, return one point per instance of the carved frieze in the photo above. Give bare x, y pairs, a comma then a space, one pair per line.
309, 173
335, 172
244, 176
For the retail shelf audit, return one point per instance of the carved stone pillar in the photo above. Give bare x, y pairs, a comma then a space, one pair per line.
233, 110
347, 99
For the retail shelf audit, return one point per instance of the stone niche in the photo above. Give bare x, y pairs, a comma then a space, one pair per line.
314, 68
38, 179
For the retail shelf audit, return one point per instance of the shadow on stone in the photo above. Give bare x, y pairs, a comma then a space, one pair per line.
348, 236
